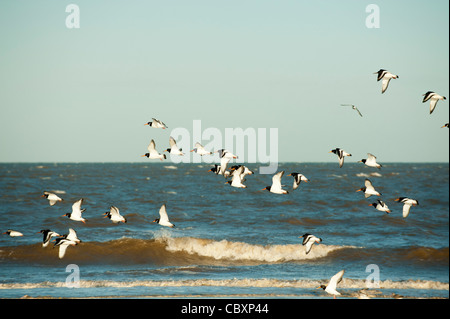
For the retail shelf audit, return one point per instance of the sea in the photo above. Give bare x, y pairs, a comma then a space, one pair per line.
227, 242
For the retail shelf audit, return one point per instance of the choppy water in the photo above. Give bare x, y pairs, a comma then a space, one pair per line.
227, 242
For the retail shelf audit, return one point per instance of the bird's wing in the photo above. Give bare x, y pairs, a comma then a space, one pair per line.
336, 279
276, 179
223, 164
433, 103
427, 96
309, 245
163, 217
368, 183
358, 111
160, 122
173, 143
72, 236
199, 146
76, 208
63, 248
406, 208
371, 158
385, 84
381, 74
52, 202
151, 147
114, 211
341, 161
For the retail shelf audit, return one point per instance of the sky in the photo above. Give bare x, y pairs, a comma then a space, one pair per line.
83, 94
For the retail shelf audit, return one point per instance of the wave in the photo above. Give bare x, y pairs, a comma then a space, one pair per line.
346, 283
182, 251
168, 251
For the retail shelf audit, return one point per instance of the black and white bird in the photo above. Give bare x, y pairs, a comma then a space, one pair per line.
52, 198
72, 236
246, 171
222, 168
434, 98
332, 284
156, 124
114, 215
276, 186
153, 153
407, 203
237, 178
163, 219
340, 154
353, 107
225, 153
174, 148
381, 206
445, 125
298, 178
77, 211
371, 161
368, 189
385, 76
309, 240
200, 150
63, 243
13, 233
47, 236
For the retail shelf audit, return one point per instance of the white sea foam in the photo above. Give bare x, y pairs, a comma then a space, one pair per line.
240, 251
346, 283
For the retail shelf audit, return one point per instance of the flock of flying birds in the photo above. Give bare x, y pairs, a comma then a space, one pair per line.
237, 174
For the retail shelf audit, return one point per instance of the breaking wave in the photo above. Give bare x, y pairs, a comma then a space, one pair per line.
181, 251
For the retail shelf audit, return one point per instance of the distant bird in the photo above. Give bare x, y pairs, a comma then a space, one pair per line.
246, 171
434, 98
368, 189
163, 219
225, 153
47, 236
309, 240
386, 76
72, 236
371, 161
381, 206
298, 178
215, 169
156, 124
77, 211
445, 125
52, 198
353, 107
200, 150
276, 186
237, 178
407, 203
222, 168
63, 243
340, 154
173, 147
152, 153
114, 215
334, 281
13, 233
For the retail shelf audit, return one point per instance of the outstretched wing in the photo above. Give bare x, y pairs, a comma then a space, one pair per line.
276, 180
336, 279
385, 84
163, 217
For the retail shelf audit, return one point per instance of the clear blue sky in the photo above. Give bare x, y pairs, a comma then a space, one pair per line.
75, 95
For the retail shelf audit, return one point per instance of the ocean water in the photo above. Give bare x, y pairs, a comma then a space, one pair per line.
228, 242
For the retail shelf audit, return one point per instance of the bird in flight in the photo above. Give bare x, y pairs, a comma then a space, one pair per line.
353, 107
